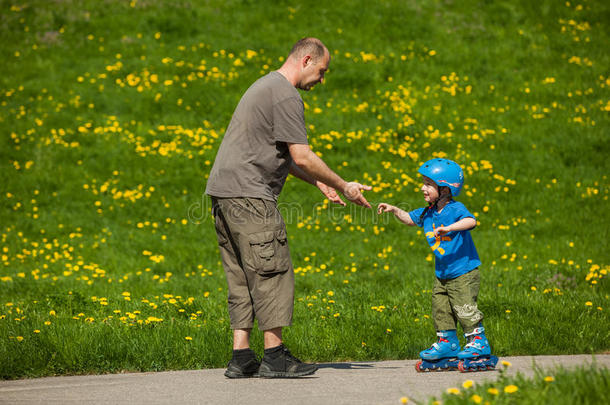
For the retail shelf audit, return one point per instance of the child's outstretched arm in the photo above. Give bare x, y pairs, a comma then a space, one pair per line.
463, 224
403, 216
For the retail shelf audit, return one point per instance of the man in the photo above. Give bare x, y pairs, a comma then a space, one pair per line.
265, 140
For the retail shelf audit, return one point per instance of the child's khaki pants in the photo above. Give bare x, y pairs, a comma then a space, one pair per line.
455, 300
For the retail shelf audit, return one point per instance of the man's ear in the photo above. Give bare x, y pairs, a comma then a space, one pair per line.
307, 59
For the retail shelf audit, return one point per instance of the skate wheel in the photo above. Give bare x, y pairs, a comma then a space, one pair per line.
418, 366
462, 368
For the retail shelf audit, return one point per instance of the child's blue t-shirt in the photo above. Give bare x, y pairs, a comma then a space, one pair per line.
455, 253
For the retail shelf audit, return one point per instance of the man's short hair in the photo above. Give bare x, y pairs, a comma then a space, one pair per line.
311, 46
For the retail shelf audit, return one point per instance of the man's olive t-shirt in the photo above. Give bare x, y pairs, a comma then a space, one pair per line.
253, 159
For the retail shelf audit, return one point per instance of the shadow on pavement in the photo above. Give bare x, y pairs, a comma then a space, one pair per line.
345, 366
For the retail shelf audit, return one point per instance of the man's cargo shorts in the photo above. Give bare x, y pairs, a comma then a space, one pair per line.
254, 251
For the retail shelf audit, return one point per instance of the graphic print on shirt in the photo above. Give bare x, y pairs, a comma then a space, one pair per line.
438, 239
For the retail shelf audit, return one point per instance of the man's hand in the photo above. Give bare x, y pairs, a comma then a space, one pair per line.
352, 192
330, 193
383, 207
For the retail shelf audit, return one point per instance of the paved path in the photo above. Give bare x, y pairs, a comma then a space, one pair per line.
383, 382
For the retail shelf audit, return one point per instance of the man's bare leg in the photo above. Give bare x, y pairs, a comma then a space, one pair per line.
272, 337
241, 339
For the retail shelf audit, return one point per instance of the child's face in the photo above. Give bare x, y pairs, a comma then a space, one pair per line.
430, 190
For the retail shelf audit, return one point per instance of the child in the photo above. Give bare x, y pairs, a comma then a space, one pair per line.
447, 224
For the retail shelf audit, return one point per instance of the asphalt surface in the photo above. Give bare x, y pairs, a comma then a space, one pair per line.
384, 382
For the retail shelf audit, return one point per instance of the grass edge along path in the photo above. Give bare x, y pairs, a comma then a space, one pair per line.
585, 384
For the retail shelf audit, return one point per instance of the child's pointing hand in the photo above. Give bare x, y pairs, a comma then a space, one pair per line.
441, 231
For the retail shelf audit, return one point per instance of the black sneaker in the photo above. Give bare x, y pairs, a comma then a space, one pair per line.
284, 365
246, 369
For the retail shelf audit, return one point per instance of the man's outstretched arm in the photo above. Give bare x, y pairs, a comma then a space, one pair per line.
313, 169
328, 192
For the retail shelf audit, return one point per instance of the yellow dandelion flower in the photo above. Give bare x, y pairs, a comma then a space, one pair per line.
467, 383
509, 389
188, 338
493, 391
453, 390
549, 378
404, 400
506, 363
476, 399
589, 303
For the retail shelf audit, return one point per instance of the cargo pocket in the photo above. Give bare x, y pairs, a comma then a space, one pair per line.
262, 245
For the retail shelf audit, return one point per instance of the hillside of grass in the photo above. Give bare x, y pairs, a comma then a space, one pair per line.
111, 113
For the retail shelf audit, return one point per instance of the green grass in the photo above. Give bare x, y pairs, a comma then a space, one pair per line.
111, 115
583, 385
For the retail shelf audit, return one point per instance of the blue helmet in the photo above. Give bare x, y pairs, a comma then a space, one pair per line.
445, 173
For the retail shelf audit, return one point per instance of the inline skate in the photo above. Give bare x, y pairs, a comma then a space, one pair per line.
442, 355
476, 355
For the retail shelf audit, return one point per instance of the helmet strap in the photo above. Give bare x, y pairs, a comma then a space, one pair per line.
441, 199
434, 205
